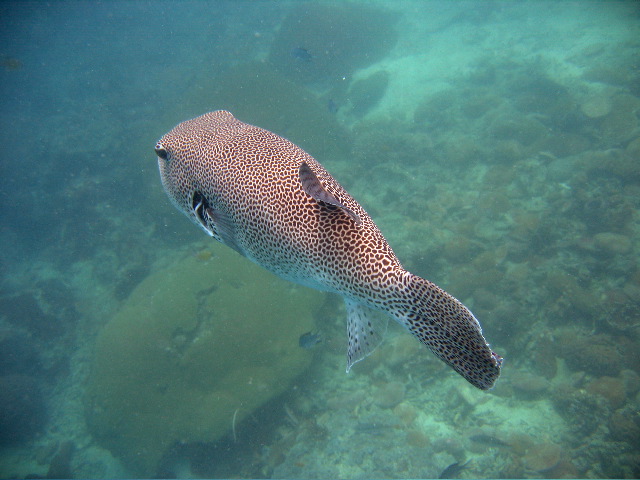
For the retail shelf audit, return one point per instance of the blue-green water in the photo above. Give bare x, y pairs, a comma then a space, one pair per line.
495, 144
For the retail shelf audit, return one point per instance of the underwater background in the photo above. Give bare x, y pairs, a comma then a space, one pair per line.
496, 145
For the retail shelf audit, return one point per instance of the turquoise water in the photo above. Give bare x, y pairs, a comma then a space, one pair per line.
495, 144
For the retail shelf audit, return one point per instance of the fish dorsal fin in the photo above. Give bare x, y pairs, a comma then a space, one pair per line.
365, 329
312, 186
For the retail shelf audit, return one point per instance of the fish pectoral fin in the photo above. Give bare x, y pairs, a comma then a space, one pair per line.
312, 186
223, 227
365, 329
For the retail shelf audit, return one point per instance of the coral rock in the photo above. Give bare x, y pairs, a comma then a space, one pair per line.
196, 348
406, 412
367, 92
612, 243
417, 439
625, 425
287, 108
610, 388
595, 354
390, 395
22, 409
338, 38
542, 458
529, 385
596, 106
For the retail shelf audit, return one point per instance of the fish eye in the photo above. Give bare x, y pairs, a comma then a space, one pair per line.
161, 151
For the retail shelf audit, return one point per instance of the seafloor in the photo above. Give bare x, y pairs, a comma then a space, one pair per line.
495, 144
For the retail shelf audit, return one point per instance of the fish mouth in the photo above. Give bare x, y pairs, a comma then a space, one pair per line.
200, 208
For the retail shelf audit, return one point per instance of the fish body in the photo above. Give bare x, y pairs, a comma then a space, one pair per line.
302, 54
332, 106
309, 340
269, 200
453, 470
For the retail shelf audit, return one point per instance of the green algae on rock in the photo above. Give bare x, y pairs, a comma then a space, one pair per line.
195, 347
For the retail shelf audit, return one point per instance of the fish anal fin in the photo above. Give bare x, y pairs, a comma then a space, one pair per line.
313, 187
365, 330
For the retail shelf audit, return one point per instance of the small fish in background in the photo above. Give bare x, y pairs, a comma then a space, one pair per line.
453, 470
309, 340
332, 106
488, 439
10, 63
302, 54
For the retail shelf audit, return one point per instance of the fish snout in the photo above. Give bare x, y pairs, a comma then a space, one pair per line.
175, 178
182, 189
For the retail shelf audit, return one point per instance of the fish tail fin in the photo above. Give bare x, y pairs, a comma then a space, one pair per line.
448, 328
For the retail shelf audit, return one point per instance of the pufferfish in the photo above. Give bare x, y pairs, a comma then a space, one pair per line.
273, 203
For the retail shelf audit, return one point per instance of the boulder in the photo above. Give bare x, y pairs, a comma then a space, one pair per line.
195, 348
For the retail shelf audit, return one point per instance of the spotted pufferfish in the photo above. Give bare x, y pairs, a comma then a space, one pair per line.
273, 203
